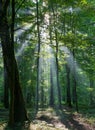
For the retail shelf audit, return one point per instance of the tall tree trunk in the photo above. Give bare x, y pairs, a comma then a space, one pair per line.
17, 112
56, 54
38, 58
68, 87
75, 100
57, 72
91, 92
51, 102
6, 88
51, 99
17, 106
42, 96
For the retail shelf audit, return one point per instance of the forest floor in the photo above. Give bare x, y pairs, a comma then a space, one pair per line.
52, 119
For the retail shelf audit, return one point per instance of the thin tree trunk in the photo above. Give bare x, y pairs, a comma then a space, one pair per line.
56, 55
57, 72
51, 89
51, 100
42, 96
91, 92
75, 100
39, 42
68, 87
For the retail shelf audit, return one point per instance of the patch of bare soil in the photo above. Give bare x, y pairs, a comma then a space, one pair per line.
51, 119
47, 120
59, 120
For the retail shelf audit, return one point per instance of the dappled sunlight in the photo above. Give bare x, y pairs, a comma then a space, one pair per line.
47, 120
52, 84
55, 119
52, 119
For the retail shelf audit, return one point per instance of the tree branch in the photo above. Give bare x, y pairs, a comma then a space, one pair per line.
6, 4
19, 6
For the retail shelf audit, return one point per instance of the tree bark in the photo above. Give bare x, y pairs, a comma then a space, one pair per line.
56, 54
92, 102
51, 102
75, 101
6, 88
38, 58
75, 98
17, 111
68, 87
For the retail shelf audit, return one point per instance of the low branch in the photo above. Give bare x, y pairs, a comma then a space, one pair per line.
89, 24
19, 6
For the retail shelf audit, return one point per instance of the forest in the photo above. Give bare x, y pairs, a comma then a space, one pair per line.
47, 64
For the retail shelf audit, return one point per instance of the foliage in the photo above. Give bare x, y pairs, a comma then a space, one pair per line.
74, 22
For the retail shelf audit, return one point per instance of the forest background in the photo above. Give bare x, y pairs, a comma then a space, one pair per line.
47, 56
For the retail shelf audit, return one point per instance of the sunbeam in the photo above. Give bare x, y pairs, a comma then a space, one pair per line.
75, 69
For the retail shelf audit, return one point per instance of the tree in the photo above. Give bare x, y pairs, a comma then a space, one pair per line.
39, 42
68, 87
55, 18
51, 102
17, 106
6, 88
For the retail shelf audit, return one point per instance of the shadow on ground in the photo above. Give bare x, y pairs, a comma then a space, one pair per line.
17, 127
51, 119
70, 121
64, 118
